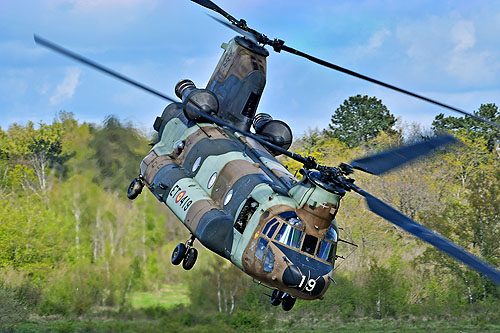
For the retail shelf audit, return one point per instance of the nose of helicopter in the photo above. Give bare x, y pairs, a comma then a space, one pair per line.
292, 276
303, 273
308, 281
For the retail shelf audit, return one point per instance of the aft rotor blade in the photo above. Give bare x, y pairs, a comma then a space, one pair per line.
404, 222
391, 159
99, 67
387, 85
212, 6
242, 32
59, 49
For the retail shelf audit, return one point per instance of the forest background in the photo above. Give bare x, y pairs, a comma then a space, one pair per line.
77, 255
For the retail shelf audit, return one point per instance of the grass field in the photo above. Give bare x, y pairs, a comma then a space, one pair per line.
167, 297
168, 310
221, 325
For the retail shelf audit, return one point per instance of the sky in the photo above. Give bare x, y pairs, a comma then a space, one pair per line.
445, 50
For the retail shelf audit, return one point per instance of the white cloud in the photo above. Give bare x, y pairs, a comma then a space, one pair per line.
21, 50
98, 6
67, 87
451, 51
44, 89
376, 40
93, 5
463, 35
473, 67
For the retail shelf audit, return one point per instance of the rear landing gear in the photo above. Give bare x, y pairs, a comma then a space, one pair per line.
287, 301
190, 259
178, 254
186, 254
135, 188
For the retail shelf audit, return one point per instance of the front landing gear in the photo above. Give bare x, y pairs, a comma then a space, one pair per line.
135, 188
276, 297
287, 301
186, 254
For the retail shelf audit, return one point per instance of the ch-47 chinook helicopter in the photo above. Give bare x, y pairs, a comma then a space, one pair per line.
225, 184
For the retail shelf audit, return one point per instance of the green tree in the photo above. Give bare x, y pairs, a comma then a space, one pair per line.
470, 219
119, 149
359, 119
41, 150
475, 128
385, 289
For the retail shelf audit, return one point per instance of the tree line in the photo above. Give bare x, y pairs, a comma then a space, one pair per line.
70, 241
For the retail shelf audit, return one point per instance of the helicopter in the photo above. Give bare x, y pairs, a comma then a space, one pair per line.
214, 165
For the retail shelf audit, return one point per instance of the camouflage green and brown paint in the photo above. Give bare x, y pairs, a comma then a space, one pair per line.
236, 198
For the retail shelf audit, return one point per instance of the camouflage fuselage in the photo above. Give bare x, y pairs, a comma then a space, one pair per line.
234, 196
226, 188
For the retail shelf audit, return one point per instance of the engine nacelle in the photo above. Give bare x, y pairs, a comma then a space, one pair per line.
196, 98
276, 132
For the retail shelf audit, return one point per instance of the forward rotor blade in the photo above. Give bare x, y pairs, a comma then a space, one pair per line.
59, 49
391, 159
390, 86
404, 222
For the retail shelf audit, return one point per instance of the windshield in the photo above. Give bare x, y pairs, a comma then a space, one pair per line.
289, 235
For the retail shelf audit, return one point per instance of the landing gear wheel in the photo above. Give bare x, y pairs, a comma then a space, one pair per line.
276, 297
288, 302
135, 188
190, 259
178, 254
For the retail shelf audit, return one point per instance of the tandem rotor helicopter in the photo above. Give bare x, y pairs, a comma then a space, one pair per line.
223, 182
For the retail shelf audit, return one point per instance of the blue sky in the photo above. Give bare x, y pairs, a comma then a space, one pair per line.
446, 50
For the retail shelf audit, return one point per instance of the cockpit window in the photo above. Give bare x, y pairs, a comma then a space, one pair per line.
261, 246
287, 215
328, 246
289, 235
331, 234
309, 245
270, 228
268, 225
326, 251
269, 261
292, 218
295, 221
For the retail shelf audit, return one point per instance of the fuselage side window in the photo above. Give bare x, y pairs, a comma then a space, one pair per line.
246, 213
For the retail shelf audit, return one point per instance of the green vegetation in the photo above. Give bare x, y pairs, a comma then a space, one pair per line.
77, 255
167, 297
